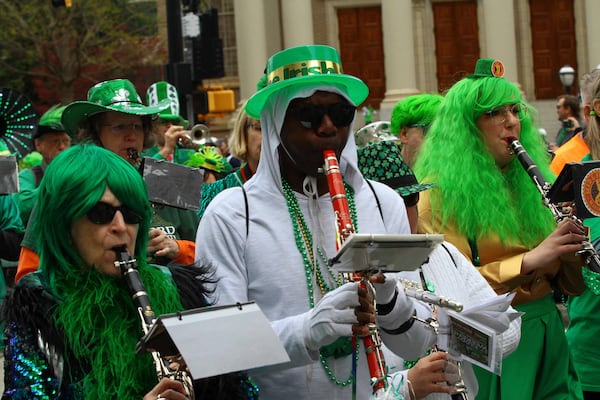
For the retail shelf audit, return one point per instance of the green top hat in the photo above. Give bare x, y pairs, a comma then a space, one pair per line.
488, 68
116, 95
383, 163
160, 91
304, 65
51, 121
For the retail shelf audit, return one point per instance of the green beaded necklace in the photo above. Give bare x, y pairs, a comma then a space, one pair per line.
304, 243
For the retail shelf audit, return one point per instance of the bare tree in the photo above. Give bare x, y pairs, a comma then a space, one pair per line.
94, 39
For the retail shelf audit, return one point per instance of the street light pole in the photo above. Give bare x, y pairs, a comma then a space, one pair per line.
566, 75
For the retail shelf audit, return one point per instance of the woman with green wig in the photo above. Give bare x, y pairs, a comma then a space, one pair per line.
486, 205
72, 326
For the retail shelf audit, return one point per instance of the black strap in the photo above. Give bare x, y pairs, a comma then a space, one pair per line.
402, 328
247, 211
474, 252
376, 199
450, 254
38, 173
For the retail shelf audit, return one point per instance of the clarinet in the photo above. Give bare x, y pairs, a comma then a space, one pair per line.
129, 270
412, 289
589, 253
345, 228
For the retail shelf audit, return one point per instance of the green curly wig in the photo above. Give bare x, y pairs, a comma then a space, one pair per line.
417, 109
471, 192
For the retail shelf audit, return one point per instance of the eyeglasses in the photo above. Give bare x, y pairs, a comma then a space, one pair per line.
311, 115
120, 128
253, 125
500, 115
103, 213
424, 127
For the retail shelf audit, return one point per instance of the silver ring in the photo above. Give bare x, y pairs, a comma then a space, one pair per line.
159, 397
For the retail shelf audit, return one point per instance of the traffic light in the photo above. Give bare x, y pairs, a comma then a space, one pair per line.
213, 101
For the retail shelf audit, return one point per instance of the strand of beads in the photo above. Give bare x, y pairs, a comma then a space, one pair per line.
303, 239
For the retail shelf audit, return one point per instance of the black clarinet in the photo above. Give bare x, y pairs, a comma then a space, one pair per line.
127, 264
589, 253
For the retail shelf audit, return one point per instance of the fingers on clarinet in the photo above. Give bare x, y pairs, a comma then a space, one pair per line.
365, 317
361, 330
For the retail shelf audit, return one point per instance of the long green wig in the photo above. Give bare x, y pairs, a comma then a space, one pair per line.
471, 192
96, 313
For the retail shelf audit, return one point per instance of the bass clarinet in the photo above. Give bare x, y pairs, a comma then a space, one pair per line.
589, 253
129, 270
345, 228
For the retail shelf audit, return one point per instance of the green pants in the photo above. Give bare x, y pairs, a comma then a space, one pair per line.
541, 367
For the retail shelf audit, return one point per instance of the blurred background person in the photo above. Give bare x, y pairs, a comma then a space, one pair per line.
170, 128
244, 142
577, 147
49, 139
568, 111
410, 120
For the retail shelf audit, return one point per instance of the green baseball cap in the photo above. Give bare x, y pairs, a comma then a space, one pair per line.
160, 91
51, 121
115, 95
305, 65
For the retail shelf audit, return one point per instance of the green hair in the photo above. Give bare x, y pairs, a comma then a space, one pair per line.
99, 319
73, 183
417, 109
471, 191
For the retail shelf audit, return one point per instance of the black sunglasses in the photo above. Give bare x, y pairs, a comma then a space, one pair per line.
103, 213
311, 115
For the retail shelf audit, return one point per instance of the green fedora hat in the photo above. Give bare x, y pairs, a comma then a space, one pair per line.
160, 91
382, 162
115, 95
305, 65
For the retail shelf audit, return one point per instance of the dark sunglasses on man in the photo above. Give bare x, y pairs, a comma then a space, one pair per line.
311, 115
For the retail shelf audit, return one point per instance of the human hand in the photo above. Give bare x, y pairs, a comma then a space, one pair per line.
167, 389
385, 287
160, 245
341, 312
428, 373
563, 243
172, 136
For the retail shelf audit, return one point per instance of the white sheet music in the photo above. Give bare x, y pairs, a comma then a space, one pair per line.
215, 341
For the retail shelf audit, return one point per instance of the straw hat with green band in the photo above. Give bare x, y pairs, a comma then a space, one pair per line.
116, 95
305, 65
160, 91
382, 162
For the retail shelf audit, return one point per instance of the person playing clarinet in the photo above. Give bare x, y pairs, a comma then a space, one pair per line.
487, 205
270, 240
